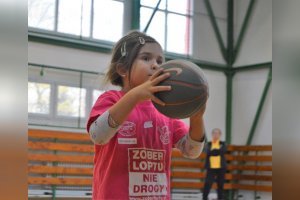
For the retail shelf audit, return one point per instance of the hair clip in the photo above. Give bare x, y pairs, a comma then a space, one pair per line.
123, 49
142, 40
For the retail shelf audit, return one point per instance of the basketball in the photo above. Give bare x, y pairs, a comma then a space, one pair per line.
189, 89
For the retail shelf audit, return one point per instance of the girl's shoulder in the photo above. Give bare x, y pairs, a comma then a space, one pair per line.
111, 95
112, 92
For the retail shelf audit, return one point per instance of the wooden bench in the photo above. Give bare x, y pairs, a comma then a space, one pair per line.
58, 160
241, 167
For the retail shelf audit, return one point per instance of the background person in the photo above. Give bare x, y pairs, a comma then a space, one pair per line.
215, 164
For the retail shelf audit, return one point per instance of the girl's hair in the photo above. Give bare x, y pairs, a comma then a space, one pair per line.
124, 53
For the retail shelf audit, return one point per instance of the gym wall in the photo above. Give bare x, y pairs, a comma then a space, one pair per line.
248, 86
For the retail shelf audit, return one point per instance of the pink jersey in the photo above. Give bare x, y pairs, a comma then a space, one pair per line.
135, 163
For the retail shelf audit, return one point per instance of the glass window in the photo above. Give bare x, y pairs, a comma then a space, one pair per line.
38, 98
153, 3
108, 20
96, 94
71, 101
171, 24
86, 18
157, 27
41, 14
98, 19
181, 6
74, 17
178, 34
55, 98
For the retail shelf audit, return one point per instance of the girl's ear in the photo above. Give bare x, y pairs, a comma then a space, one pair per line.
121, 70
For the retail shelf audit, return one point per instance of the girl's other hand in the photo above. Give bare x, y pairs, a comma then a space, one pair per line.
199, 113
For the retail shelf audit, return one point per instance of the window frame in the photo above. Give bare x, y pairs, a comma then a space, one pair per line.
43, 115
166, 12
89, 43
38, 119
56, 100
45, 34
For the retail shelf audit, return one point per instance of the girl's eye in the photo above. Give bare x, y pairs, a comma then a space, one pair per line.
159, 62
146, 58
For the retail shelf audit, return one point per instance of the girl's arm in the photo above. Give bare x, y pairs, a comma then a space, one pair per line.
197, 131
106, 125
191, 145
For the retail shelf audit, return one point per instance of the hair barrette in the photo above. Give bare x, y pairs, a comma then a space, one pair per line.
123, 49
142, 40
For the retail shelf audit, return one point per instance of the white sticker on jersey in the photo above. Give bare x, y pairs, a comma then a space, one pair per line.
148, 124
127, 140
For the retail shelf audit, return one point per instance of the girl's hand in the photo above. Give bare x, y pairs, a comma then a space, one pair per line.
199, 113
146, 90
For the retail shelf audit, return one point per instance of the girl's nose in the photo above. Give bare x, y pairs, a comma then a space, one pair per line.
154, 66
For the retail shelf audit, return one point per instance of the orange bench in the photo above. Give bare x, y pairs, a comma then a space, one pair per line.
59, 160
240, 168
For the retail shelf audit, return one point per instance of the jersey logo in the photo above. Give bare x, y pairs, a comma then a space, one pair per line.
128, 129
164, 134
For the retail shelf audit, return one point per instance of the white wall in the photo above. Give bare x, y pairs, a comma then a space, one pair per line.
67, 57
247, 91
216, 104
248, 86
257, 44
205, 44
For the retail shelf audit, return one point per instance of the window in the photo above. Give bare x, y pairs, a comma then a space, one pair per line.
157, 26
71, 101
108, 20
61, 97
103, 20
171, 24
38, 98
74, 17
96, 94
91, 19
41, 14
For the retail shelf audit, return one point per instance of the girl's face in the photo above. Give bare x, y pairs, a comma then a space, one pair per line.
145, 64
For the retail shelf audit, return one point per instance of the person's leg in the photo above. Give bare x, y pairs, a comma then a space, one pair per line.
208, 183
220, 183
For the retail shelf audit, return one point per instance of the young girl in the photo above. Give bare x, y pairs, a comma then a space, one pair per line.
133, 141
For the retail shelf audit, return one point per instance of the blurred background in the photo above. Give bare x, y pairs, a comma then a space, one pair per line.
69, 45
59, 68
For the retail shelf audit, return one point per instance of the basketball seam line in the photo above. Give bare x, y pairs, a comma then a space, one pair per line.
186, 84
179, 103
